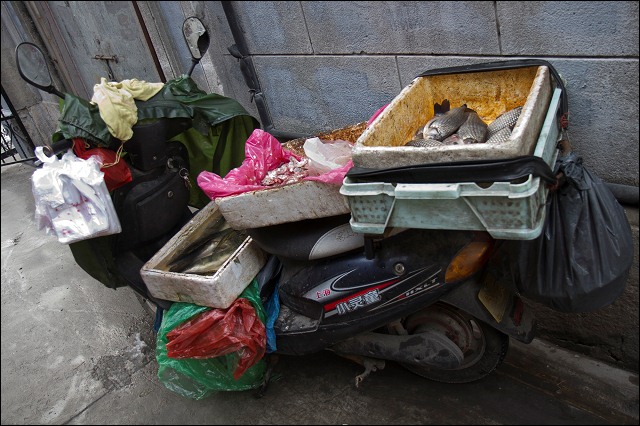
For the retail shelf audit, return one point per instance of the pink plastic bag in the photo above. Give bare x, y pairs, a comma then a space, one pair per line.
263, 152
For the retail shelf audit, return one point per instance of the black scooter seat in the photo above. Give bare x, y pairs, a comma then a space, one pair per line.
309, 239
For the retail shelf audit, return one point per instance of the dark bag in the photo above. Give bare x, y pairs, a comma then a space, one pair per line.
151, 208
581, 261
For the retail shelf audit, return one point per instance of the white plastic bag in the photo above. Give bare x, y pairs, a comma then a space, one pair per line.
71, 198
325, 156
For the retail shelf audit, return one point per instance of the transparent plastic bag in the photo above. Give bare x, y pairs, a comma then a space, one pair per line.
71, 199
325, 156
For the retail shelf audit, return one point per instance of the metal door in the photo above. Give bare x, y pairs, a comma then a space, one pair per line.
94, 40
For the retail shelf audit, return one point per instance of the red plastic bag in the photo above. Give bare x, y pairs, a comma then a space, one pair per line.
116, 172
220, 332
263, 153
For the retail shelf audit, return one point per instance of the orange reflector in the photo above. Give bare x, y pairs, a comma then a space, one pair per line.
468, 261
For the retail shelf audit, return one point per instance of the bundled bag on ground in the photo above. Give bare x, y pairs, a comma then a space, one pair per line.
202, 350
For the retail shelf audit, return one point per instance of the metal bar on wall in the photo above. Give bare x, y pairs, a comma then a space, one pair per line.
15, 138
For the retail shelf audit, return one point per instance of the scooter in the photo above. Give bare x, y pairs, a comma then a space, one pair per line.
427, 299
160, 185
411, 298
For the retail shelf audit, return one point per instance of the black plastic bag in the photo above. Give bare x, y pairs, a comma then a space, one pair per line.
581, 261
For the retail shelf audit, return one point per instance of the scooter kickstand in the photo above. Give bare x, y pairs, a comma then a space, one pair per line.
272, 360
370, 365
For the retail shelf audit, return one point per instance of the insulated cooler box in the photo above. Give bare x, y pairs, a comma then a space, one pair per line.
506, 210
217, 290
488, 89
293, 202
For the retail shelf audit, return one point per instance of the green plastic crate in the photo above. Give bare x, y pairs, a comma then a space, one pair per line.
506, 210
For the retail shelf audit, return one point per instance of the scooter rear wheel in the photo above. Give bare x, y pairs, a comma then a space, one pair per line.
484, 347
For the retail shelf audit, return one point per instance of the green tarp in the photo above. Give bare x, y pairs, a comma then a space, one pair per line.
215, 143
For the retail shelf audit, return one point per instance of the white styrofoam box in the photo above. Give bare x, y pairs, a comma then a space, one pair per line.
489, 93
218, 290
293, 202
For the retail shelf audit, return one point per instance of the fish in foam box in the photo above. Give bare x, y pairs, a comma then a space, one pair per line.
233, 258
489, 93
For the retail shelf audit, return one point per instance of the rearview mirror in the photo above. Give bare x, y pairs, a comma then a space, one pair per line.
32, 67
197, 38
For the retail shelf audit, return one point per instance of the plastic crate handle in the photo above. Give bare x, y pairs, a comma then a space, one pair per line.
503, 65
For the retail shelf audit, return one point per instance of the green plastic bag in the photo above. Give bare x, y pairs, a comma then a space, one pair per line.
199, 378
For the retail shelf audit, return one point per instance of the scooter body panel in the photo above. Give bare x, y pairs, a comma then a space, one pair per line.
332, 299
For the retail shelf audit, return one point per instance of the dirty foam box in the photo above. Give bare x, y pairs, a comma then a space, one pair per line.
489, 93
218, 290
289, 203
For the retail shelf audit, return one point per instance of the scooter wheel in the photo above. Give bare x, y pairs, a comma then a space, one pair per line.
484, 347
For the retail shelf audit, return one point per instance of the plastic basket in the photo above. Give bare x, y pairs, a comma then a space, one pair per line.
506, 210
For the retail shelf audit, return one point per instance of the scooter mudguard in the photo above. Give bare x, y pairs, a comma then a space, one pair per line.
329, 300
495, 305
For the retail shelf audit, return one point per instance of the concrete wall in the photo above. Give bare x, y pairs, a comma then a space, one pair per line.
324, 65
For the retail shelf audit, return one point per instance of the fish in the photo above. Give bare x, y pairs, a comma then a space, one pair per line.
500, 136
203, 248
507, 119
453, 139
473, 130
225, 247
446, 124
424, 143
438, 110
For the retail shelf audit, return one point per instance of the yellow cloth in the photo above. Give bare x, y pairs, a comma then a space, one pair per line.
116, 103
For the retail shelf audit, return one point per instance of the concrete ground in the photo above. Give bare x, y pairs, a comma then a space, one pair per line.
76, 352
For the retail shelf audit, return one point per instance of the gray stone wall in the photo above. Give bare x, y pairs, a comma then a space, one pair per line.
324, 65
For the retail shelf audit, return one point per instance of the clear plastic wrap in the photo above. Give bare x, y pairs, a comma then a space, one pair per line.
325, 156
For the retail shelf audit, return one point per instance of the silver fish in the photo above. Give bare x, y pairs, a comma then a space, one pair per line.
202, 248
446, 124
473, 130
224, 248
424, 143
500, 136
454, 139
438, 110
507, 119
